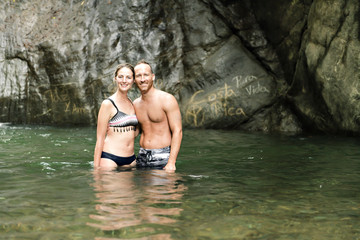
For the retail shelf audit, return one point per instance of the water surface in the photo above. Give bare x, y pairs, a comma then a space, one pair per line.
228, 185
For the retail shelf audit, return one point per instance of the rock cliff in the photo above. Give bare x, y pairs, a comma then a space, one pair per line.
272, 66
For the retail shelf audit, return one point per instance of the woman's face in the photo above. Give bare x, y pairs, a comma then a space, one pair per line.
124, 79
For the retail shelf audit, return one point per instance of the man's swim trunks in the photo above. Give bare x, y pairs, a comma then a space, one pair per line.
118, 160
153, 158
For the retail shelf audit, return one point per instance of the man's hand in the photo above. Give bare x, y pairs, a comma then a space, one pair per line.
169, 167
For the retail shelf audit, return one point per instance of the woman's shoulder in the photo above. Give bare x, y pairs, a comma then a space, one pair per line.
107, 103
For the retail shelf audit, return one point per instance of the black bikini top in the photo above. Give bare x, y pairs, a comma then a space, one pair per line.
122, 120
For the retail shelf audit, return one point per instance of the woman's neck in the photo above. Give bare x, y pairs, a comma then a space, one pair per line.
121, 95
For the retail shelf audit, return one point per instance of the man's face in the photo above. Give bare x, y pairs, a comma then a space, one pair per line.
144, 78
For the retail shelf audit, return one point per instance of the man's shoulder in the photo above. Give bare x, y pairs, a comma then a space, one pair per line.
164, 95
137, 100
167, 100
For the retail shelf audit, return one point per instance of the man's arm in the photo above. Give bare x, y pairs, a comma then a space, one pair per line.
174, 118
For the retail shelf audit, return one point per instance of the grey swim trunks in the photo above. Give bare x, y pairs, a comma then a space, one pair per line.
153, 158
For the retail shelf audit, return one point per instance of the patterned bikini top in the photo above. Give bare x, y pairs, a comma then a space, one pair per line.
122, 122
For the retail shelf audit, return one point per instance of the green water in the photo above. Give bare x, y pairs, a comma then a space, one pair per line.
228, 185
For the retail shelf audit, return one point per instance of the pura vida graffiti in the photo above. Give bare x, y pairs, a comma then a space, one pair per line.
247, 83
217, 103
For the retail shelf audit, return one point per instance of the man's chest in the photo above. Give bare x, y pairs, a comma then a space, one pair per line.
150, 114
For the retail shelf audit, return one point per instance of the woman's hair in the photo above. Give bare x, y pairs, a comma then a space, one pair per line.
126, 65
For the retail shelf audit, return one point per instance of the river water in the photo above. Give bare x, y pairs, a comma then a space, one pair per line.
228, 185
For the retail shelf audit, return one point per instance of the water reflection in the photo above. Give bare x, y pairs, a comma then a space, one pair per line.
136, 202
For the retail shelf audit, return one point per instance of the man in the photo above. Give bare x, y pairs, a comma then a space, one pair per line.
159, 117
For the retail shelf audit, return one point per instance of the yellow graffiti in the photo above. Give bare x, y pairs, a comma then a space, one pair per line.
57, 95
224, 92
61, 97
78, 110
195, 113
67, 107
193, 97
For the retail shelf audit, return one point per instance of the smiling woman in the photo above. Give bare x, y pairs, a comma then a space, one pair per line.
117, 123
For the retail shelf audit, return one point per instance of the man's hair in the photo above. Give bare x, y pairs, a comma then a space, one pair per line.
142, 61
124, 65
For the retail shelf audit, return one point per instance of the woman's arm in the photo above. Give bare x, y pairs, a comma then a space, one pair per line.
102, 125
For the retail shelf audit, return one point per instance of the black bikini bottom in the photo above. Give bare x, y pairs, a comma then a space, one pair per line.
118, 160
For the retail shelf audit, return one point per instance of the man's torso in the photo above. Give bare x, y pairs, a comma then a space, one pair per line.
154, 123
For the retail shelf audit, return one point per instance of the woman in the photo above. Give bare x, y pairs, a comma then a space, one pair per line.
117, 124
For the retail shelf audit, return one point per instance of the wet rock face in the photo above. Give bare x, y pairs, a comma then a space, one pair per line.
228, 63
232, 90
318, 46
330, 53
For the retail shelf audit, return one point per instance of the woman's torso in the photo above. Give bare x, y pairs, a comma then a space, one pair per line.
121, 132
